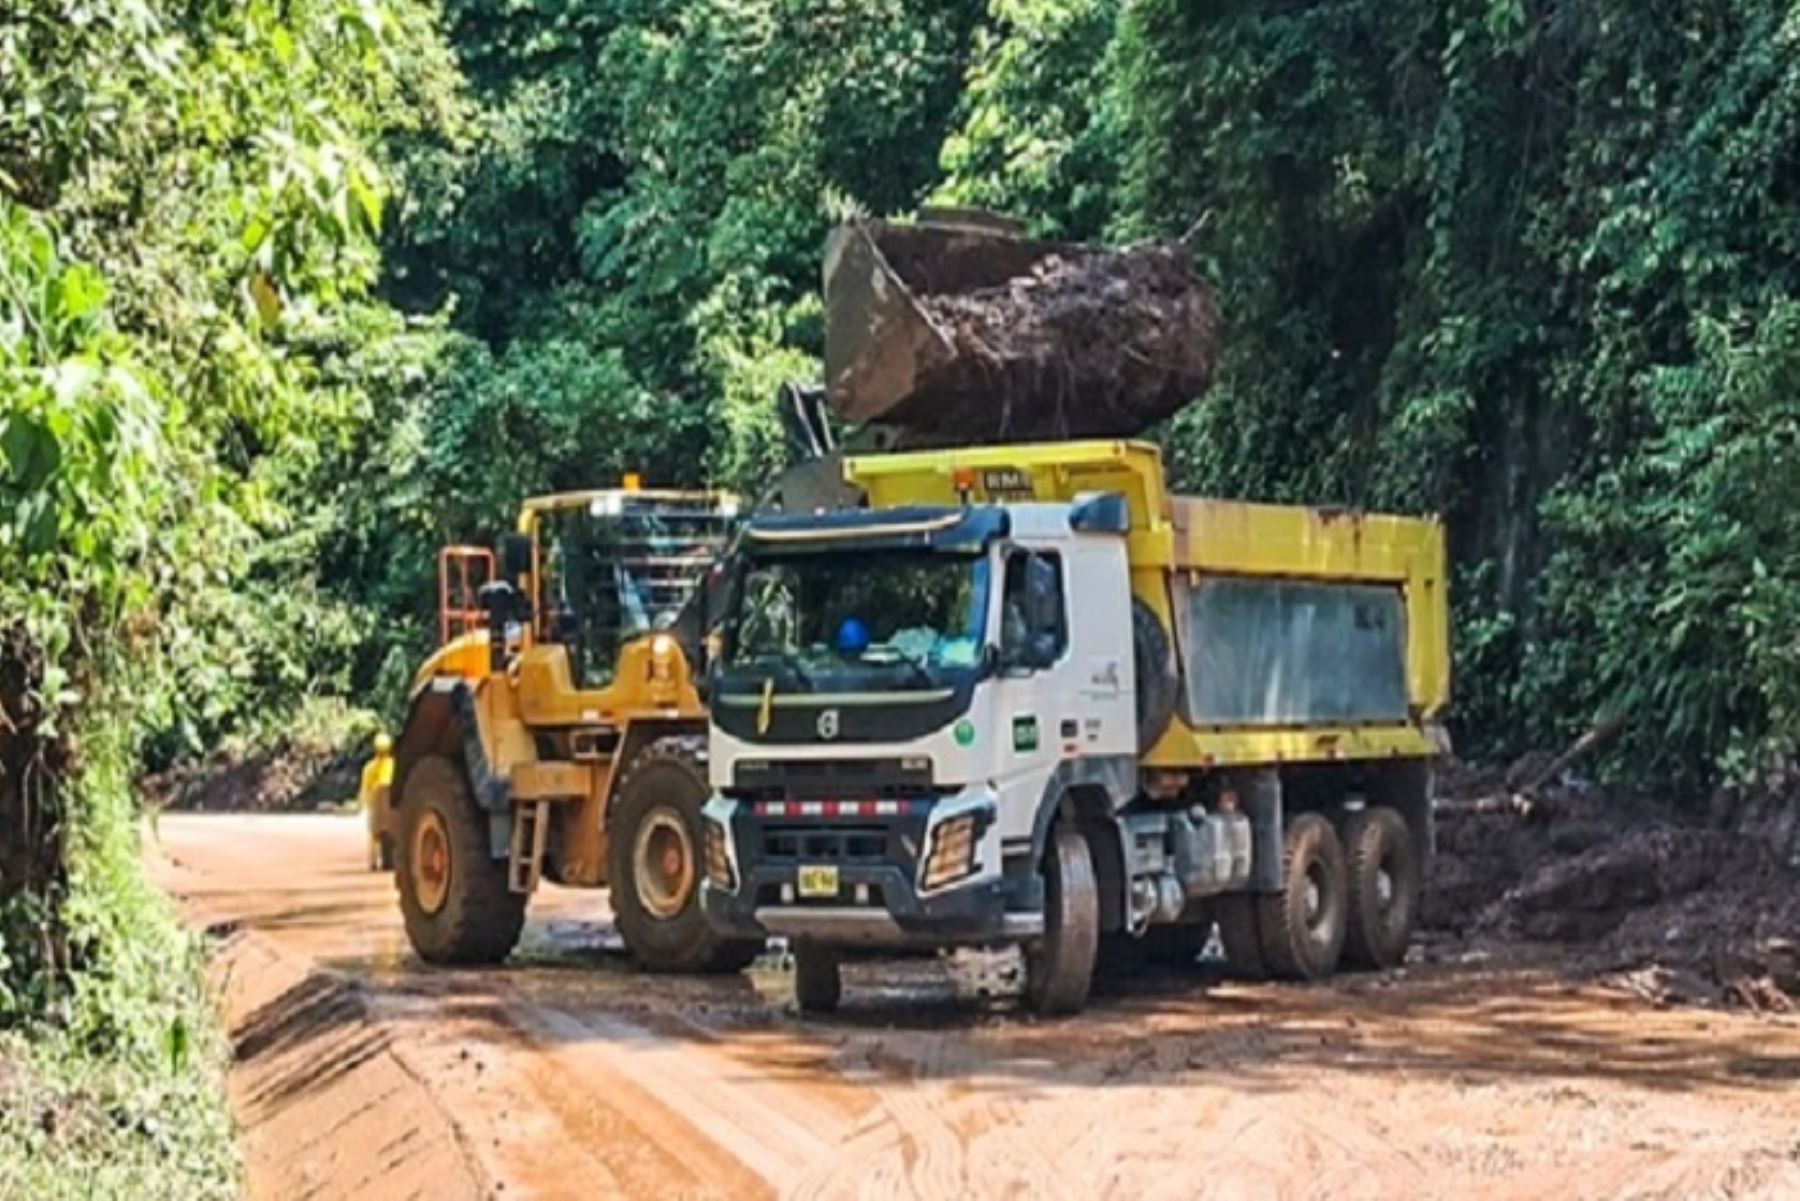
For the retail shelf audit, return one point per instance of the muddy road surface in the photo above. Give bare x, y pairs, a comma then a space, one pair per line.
566, 1074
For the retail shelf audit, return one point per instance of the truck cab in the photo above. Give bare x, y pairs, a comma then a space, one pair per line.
899, 690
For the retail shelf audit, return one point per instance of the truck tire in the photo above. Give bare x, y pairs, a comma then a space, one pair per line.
453, 894
1153, 662
1302, 927
1241, 935
1383, 865
1059, 968
818, 978
654, 863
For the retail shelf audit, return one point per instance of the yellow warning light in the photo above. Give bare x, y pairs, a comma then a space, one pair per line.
634, 482
963, 479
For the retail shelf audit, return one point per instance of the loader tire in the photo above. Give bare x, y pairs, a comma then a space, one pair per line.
654, 863
1383, 864
1302, 927
1059, 968
453, 893
1153, 662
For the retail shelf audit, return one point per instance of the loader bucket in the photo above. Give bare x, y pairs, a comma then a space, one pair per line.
956, 332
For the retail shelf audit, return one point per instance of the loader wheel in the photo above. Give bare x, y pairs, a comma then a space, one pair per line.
1383, 865
654, 865
1302, 926
453, 893
818, 978
1153, 662
1059, 969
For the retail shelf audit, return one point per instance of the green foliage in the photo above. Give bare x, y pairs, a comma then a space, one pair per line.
112, 1084
648, 185
188, 195
1034, 136
1530, 265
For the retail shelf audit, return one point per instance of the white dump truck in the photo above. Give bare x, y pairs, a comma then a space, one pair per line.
1026, 696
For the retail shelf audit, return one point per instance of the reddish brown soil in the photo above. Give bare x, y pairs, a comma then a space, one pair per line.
1474, 1073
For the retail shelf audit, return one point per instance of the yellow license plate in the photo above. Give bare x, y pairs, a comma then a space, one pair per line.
819, 880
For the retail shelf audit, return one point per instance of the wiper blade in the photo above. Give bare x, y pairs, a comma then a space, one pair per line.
791, 661
919, 666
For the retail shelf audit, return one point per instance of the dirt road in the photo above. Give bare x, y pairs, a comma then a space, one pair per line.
567, 1075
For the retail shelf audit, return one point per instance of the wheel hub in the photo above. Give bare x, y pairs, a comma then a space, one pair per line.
1384, 888
430, 861
1315, 898
662, 859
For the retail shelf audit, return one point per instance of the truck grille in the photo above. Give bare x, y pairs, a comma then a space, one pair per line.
826, 844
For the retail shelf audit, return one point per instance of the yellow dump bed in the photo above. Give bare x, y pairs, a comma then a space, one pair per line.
1302, 634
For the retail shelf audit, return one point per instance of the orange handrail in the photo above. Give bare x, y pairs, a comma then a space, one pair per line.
459, 603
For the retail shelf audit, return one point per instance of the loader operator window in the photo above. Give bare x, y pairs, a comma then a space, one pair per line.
610, 578
861, 622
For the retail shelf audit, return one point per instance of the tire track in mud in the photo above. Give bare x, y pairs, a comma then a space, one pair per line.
769, 1128
913, 1144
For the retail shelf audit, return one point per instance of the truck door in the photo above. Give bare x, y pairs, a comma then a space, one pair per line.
1064, 684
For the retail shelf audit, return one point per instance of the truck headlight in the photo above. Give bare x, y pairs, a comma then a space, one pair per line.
952, 852
718, 859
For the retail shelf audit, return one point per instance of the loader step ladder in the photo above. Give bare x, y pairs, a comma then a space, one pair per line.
525, 860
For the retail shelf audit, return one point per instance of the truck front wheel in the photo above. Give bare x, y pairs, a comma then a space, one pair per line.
1059, 969
453, 893
653, 863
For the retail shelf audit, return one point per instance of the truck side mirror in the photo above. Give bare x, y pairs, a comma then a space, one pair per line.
515, 555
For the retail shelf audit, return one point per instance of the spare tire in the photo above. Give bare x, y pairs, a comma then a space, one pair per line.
1153, 657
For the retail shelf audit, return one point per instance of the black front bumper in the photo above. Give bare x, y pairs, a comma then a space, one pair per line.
878, 902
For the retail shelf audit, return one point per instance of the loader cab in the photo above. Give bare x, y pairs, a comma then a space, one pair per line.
612, 565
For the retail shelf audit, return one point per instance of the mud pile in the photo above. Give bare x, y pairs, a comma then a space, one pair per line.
950, 334
1703, 911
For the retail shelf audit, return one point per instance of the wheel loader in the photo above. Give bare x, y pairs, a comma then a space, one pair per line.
557, 733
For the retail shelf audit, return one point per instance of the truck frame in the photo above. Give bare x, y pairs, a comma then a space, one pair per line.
1028, 696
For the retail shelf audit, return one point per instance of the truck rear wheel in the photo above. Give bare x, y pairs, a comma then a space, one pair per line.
1302, 927
654, 865
453, 893
818, 978
1240, 935
1383, 865
1059, 969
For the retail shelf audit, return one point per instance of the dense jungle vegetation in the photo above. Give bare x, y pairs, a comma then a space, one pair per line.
292, 291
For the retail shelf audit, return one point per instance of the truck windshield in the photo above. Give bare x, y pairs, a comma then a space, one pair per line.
822, 623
